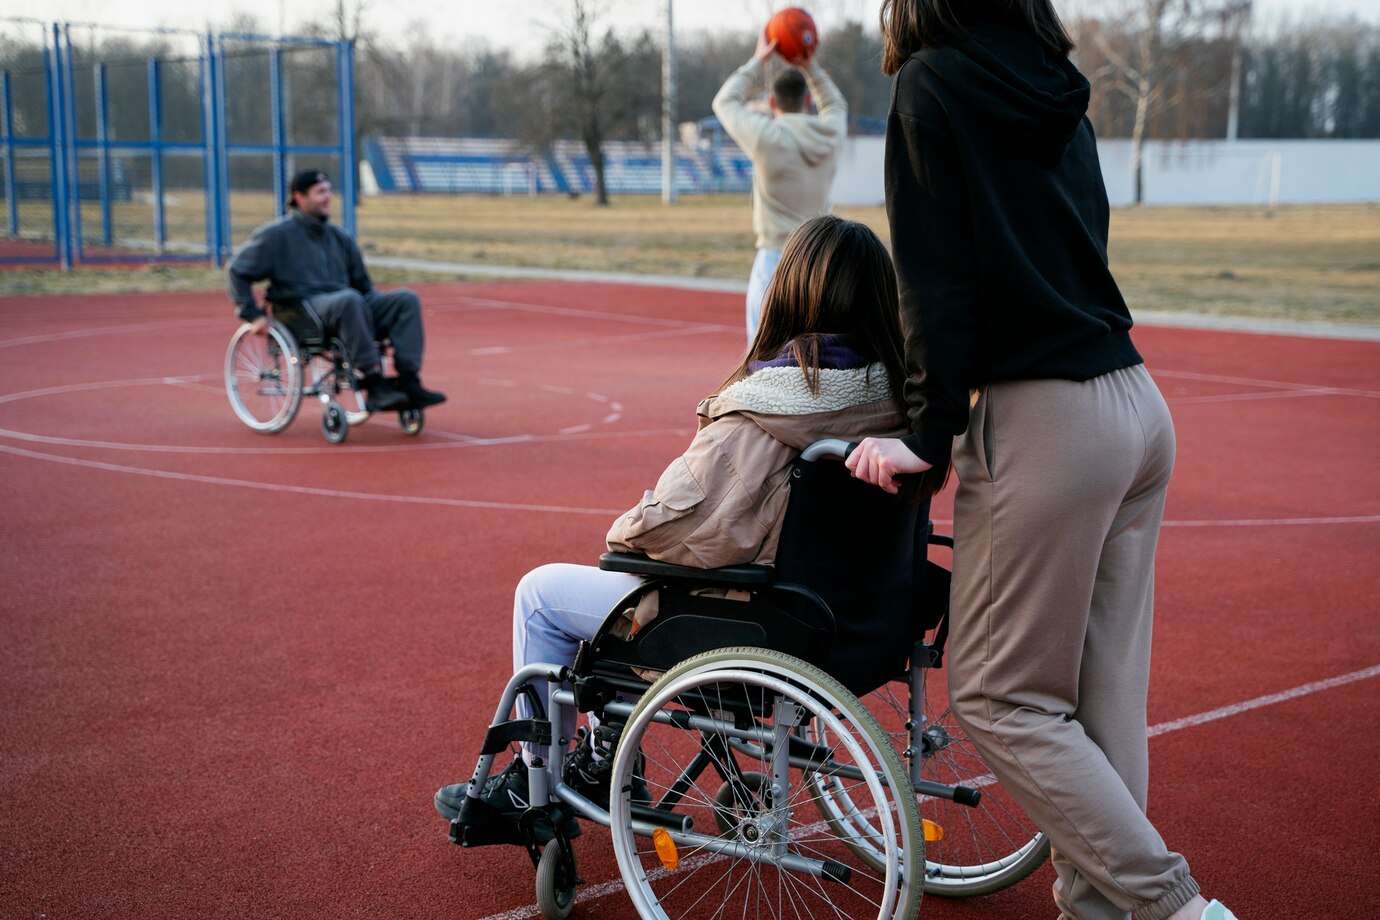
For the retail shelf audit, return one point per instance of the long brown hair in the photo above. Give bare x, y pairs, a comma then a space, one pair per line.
911, 25
835, 276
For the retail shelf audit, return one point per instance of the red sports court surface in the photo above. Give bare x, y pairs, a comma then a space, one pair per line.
234, 667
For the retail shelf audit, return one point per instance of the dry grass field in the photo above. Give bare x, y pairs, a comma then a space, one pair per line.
1299, 262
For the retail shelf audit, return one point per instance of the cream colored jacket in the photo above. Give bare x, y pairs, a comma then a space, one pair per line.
723, 501
794, 156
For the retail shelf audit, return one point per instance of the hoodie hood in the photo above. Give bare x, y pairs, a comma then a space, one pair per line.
1034, 99
816, 138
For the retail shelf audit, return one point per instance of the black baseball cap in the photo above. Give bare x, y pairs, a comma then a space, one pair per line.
303, 180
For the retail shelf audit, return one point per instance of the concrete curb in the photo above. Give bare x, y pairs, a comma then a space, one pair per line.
1350, 331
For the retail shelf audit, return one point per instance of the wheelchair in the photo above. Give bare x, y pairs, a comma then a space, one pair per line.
778, 724
266, 376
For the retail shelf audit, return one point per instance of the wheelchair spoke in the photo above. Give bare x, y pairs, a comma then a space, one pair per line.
982, 848
263, 380
756, 848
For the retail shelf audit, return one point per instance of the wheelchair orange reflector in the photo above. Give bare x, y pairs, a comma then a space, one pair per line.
665, 848
933, 831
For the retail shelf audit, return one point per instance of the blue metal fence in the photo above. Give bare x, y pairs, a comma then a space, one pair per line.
174, 164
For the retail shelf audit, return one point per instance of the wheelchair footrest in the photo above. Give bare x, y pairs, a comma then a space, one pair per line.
479, 824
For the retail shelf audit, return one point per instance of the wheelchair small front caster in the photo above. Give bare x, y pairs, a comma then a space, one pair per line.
556, 881
410, 420
334, 425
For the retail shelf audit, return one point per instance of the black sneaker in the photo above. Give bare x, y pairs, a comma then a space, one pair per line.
418, 396
505, 792
383, 395
504, 797
589, 775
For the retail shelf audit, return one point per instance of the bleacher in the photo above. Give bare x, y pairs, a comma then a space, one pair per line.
505, 167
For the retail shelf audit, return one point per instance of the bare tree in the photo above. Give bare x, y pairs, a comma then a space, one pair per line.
1315, 79
1152, 51
594, 84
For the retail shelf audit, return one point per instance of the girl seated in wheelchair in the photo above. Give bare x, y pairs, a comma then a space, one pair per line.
826, 362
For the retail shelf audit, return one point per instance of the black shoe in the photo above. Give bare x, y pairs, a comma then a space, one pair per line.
589, 775
505, 792
448, 800
418, 396
383, 394
504, 796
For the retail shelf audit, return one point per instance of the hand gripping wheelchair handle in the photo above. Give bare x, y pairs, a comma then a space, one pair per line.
828, 447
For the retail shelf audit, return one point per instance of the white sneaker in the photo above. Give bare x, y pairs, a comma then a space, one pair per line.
1216, 910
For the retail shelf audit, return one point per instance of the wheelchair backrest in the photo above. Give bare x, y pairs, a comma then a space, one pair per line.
844, 593
863, 552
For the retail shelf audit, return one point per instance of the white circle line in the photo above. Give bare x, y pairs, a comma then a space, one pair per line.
307, 490
161, 326
192, 381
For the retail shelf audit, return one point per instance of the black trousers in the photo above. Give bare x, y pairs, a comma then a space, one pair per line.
361, 320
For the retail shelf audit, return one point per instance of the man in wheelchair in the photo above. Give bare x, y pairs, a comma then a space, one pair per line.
307, 259
825, 363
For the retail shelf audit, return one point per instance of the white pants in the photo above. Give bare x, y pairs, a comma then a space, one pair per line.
554, 607
763, 267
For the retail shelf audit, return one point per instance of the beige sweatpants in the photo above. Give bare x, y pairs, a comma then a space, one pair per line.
1061, 493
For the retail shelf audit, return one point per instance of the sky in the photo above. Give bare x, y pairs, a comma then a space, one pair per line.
516, 24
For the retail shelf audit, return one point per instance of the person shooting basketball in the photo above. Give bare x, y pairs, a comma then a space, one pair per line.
794, 154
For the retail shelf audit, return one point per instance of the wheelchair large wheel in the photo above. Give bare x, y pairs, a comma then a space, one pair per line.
969, 851
263, 377
767, 854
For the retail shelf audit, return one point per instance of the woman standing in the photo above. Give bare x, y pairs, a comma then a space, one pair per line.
1019, 349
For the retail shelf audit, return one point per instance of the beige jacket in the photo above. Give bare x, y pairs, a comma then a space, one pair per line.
723, 501
794, 156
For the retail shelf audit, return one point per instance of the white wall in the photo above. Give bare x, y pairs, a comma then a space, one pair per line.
1186, 172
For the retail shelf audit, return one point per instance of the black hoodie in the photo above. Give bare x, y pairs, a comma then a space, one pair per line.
998, 227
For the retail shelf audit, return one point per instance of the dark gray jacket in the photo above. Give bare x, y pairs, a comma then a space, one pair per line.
300, 256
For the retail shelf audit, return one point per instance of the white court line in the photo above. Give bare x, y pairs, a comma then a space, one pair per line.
193, 381
162, 326
1260, 702
306, 490
593, 893
102, 385
1252, 382
452, 441
680, 324
1254, 522
574, 434
1279, 522
1251, 397
568, 344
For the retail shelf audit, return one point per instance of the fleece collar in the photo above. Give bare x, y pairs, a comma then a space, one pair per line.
784, 391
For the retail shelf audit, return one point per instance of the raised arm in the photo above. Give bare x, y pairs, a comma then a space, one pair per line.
730, 104
833, 108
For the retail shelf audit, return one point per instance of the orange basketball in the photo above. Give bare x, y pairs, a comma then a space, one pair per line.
794, 32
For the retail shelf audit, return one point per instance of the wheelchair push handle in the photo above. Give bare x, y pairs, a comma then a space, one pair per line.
828, 447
